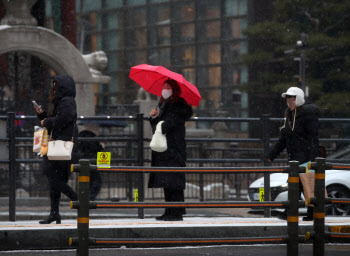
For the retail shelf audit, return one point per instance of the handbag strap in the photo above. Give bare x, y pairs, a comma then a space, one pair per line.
72, 133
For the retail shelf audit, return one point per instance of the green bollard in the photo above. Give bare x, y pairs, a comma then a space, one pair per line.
293, 209
83, 210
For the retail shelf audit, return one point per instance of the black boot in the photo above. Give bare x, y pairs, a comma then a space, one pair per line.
165, 214
52, 217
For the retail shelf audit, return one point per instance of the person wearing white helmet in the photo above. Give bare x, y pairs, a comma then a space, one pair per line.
299, 134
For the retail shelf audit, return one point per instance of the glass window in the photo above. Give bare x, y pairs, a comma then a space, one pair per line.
184, 11
236, 28
90, 5
236, 77
135, 2
187, 32
113, 61
188, 55
138, 17
189, 74
163, 15
213, 29
140, 57
244, 47
111, 41
110, 21
159, 57
236, 7
159, 1
113, 3
215, 76
214, 54
244, 75
244, 100
140, 37
213, 9
163, 35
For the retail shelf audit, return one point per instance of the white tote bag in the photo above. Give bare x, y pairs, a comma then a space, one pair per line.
60, 150
158, 142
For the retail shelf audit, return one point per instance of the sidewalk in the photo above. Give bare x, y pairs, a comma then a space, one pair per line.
26, 233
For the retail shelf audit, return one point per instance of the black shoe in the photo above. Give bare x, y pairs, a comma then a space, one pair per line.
173, 218
308, 218
282, 216
52, 218
161, 217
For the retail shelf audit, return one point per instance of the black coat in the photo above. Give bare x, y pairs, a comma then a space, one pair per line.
61, 120
174, 115
302, 142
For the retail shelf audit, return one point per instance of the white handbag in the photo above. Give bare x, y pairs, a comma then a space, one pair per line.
158, 142
60, 149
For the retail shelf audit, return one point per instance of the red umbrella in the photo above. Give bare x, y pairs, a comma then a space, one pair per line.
152, 78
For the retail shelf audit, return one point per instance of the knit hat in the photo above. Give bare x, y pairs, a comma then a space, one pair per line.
298, 93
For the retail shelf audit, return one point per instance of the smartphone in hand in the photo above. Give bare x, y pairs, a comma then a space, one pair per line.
35, 104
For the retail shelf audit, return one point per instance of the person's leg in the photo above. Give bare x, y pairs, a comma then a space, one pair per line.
55, 197
175, 214
61, 178
167, 197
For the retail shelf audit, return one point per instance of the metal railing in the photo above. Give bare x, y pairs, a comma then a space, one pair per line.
137, 152
292, 239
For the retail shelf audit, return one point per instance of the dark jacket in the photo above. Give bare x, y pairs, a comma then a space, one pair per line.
174, 115
61, 121
302, 142
63, 118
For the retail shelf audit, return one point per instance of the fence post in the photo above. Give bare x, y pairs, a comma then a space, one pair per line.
319, 204
140, 159
84, 207
265, 119
11, 133
293, 209
201, 176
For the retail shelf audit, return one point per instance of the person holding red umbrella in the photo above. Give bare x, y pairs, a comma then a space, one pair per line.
174, 111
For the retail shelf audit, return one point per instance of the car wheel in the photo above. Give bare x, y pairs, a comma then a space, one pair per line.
337, 191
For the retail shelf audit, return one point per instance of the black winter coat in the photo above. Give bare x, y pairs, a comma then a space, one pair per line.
174, 115
62, 119
302, 142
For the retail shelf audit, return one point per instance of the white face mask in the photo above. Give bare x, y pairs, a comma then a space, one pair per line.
167, 93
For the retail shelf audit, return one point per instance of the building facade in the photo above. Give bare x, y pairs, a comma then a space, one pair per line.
203, 40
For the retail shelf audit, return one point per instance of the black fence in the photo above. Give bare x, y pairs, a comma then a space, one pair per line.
125, 137
319, 236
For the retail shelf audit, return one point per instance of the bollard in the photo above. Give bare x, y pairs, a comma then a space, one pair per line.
83, 210
293, 209
265, 119
140, 180
319, 205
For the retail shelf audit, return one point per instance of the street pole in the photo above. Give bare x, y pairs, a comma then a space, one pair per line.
302, 79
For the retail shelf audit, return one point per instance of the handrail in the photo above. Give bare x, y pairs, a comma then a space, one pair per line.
84, 168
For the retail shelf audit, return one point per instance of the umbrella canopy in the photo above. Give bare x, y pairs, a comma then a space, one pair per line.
152, 78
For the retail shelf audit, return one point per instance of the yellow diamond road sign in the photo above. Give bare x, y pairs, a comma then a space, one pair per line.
104, 159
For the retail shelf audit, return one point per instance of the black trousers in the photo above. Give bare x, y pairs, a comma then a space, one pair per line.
58, 173
174, 195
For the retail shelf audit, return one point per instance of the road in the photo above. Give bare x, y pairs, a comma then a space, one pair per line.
243, 250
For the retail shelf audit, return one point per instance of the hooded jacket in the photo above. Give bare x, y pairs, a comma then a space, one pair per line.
61, 121
174, 115
299, 134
